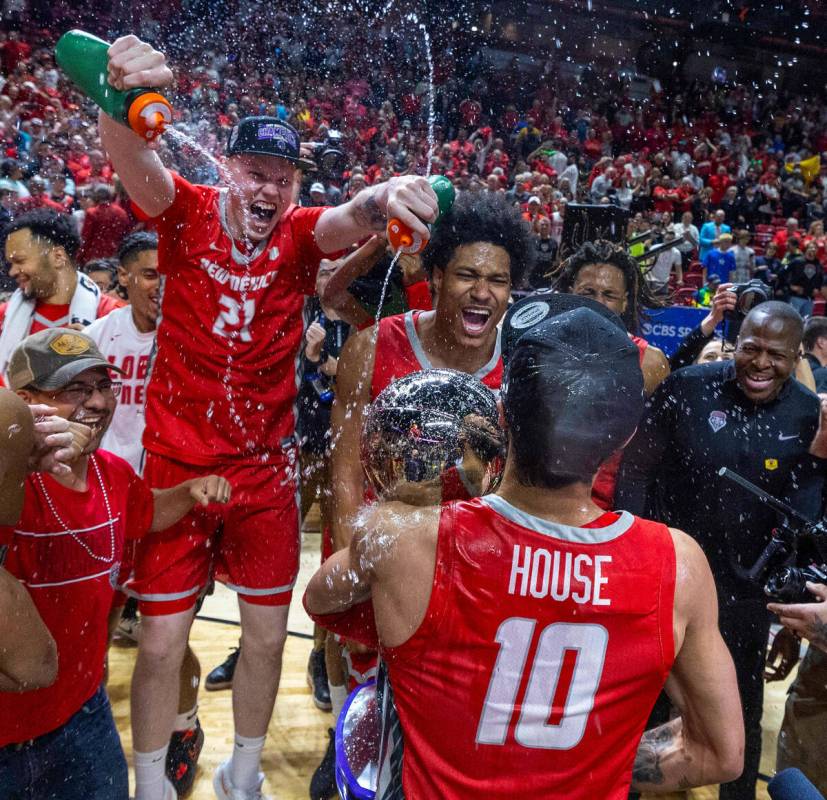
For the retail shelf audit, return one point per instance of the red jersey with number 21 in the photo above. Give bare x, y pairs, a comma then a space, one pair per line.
224, 379
539, 659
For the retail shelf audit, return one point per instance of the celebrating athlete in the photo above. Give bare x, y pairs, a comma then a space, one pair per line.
545, 626
237, 264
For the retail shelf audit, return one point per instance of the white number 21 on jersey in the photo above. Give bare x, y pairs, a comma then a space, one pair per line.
234, 318
554, 713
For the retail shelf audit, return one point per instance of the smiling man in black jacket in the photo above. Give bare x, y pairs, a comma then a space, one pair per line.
752, 416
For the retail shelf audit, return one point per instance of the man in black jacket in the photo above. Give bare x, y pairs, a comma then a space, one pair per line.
752, 416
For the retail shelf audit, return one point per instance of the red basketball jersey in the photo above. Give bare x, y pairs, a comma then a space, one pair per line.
540, 657
603, 488
225, 376
399, 352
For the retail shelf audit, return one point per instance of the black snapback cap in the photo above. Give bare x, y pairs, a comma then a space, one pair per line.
268, 136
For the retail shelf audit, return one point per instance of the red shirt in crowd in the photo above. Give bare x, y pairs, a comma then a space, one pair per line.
71, 577
104, 227
13, 53
224, 380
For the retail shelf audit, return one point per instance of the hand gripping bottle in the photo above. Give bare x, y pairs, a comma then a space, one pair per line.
404, 240
83, 57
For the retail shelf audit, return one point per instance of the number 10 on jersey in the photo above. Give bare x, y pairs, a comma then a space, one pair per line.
563, 681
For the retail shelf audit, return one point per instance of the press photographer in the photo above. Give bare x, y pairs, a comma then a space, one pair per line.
752, 416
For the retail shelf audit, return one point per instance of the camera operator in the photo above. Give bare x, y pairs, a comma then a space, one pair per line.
749, 415
694, 342
801, 741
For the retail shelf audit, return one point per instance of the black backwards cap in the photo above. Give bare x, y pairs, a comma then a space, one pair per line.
573, 391
523, 315
268, 136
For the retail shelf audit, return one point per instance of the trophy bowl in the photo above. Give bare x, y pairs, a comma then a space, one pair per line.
431, 437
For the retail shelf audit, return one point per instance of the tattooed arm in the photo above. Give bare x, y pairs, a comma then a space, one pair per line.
706, 743
409, 198
807, 619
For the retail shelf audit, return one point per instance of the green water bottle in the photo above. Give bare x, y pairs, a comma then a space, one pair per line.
402, 238
83, 57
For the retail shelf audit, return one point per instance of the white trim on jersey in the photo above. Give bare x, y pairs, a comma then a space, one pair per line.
159, 598
422, 356
47, 534
107, 571
242, 590
556, 530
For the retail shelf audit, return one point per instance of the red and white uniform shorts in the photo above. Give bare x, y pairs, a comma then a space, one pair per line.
251, 544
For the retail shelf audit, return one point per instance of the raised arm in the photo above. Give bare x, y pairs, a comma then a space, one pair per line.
133, 63
408, 198
353, 380
706, 743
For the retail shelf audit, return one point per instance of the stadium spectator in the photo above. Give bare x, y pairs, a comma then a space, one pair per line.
782, 237
720, 260
104, 225
710, 231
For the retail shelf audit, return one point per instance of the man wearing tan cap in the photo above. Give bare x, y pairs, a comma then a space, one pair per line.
720, 260
67, 550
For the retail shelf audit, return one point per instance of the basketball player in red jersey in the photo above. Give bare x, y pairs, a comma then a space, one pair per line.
237, 264
526, 634
479, 249
605, 272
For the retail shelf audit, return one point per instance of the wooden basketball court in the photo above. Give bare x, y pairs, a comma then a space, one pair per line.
298, 732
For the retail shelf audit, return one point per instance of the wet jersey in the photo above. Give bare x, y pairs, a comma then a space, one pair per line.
224, 380
603, 488
541, 654
399, 352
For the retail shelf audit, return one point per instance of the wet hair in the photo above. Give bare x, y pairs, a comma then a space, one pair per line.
109, 265
133, 244
481, 218
779, 310
50, 226
638, 294
814, 329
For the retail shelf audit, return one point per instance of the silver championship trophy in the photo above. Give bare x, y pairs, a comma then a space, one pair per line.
428, 438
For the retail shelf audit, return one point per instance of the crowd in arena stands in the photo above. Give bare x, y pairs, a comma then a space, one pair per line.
697, 165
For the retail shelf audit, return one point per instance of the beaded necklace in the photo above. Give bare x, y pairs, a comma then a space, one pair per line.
73, 533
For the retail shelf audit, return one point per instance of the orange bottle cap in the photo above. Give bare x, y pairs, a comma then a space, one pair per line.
149, 115
403, 239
